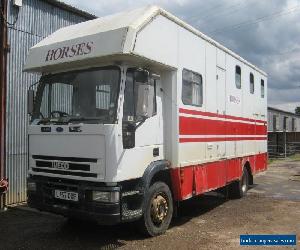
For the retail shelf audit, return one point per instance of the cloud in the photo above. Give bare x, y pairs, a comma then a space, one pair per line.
266, 33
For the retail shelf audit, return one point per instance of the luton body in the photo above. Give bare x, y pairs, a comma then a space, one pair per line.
136, 112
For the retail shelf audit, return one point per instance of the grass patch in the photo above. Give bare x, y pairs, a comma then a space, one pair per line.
274, 160
295, 157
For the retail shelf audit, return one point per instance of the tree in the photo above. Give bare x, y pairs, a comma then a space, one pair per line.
297, 110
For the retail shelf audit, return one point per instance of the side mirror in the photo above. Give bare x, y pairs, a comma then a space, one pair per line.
30, 101
144, 102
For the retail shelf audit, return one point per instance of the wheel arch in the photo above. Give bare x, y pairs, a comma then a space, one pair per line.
156, 171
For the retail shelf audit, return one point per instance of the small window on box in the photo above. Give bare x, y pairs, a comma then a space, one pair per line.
192, 88
238, 77
262, 88
251, 83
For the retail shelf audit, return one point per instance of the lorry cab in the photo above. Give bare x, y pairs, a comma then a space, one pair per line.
93, 132
135, 112
99, 115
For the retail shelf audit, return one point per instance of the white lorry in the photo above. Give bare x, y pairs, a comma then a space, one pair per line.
137, 111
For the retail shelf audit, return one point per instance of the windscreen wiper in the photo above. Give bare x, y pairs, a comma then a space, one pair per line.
66, 120
78, 118
44, 121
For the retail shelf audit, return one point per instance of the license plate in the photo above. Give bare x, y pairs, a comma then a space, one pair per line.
64, 195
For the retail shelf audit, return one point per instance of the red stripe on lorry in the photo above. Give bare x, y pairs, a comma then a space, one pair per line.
216, 139
210, 114
202, 126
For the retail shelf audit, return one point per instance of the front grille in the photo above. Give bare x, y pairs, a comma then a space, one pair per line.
59, 158
82, 174
72, 166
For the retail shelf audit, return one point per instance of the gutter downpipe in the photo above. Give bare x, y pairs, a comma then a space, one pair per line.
3, 84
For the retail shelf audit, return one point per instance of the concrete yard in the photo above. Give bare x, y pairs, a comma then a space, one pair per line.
272, 206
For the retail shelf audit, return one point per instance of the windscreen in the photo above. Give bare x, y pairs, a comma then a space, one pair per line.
87, 95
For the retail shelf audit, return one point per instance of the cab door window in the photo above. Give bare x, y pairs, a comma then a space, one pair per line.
139, 97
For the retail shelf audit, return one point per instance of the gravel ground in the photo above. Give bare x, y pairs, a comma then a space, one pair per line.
208, 222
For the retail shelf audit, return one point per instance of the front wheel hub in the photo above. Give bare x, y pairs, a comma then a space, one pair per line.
159, 209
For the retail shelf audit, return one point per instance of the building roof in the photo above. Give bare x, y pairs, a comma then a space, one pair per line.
283, 111
70, 8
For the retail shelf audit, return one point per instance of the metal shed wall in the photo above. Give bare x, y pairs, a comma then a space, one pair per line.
36, 20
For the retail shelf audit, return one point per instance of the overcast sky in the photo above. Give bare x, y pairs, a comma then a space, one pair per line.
265, 32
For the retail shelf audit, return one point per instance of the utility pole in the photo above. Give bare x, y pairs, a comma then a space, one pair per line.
3, 63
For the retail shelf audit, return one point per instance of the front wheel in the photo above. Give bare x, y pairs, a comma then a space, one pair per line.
158, 210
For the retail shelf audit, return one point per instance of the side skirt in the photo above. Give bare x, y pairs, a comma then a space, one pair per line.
198, 179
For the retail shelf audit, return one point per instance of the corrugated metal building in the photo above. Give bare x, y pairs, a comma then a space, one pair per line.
283, 133
24, 26
280, 120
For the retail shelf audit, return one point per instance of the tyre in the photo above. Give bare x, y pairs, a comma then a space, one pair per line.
158, 210
239, 188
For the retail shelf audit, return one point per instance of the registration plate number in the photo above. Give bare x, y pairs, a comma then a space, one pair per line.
64, 195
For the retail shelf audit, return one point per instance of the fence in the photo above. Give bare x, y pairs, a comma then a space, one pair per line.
283, 144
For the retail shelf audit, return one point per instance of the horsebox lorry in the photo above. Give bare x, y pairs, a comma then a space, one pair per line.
137, 111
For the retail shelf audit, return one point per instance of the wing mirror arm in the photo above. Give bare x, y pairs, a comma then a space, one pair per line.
30, 101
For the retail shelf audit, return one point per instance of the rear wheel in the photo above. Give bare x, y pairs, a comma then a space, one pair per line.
239, 188
158, 210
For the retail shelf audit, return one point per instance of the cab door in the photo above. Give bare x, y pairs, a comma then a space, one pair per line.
147, 130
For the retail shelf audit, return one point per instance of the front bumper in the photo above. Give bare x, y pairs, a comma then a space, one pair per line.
43, 199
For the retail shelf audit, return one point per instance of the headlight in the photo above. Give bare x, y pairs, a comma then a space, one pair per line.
31, 186
101, 196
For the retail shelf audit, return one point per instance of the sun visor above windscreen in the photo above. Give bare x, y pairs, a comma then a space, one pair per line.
83, 48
